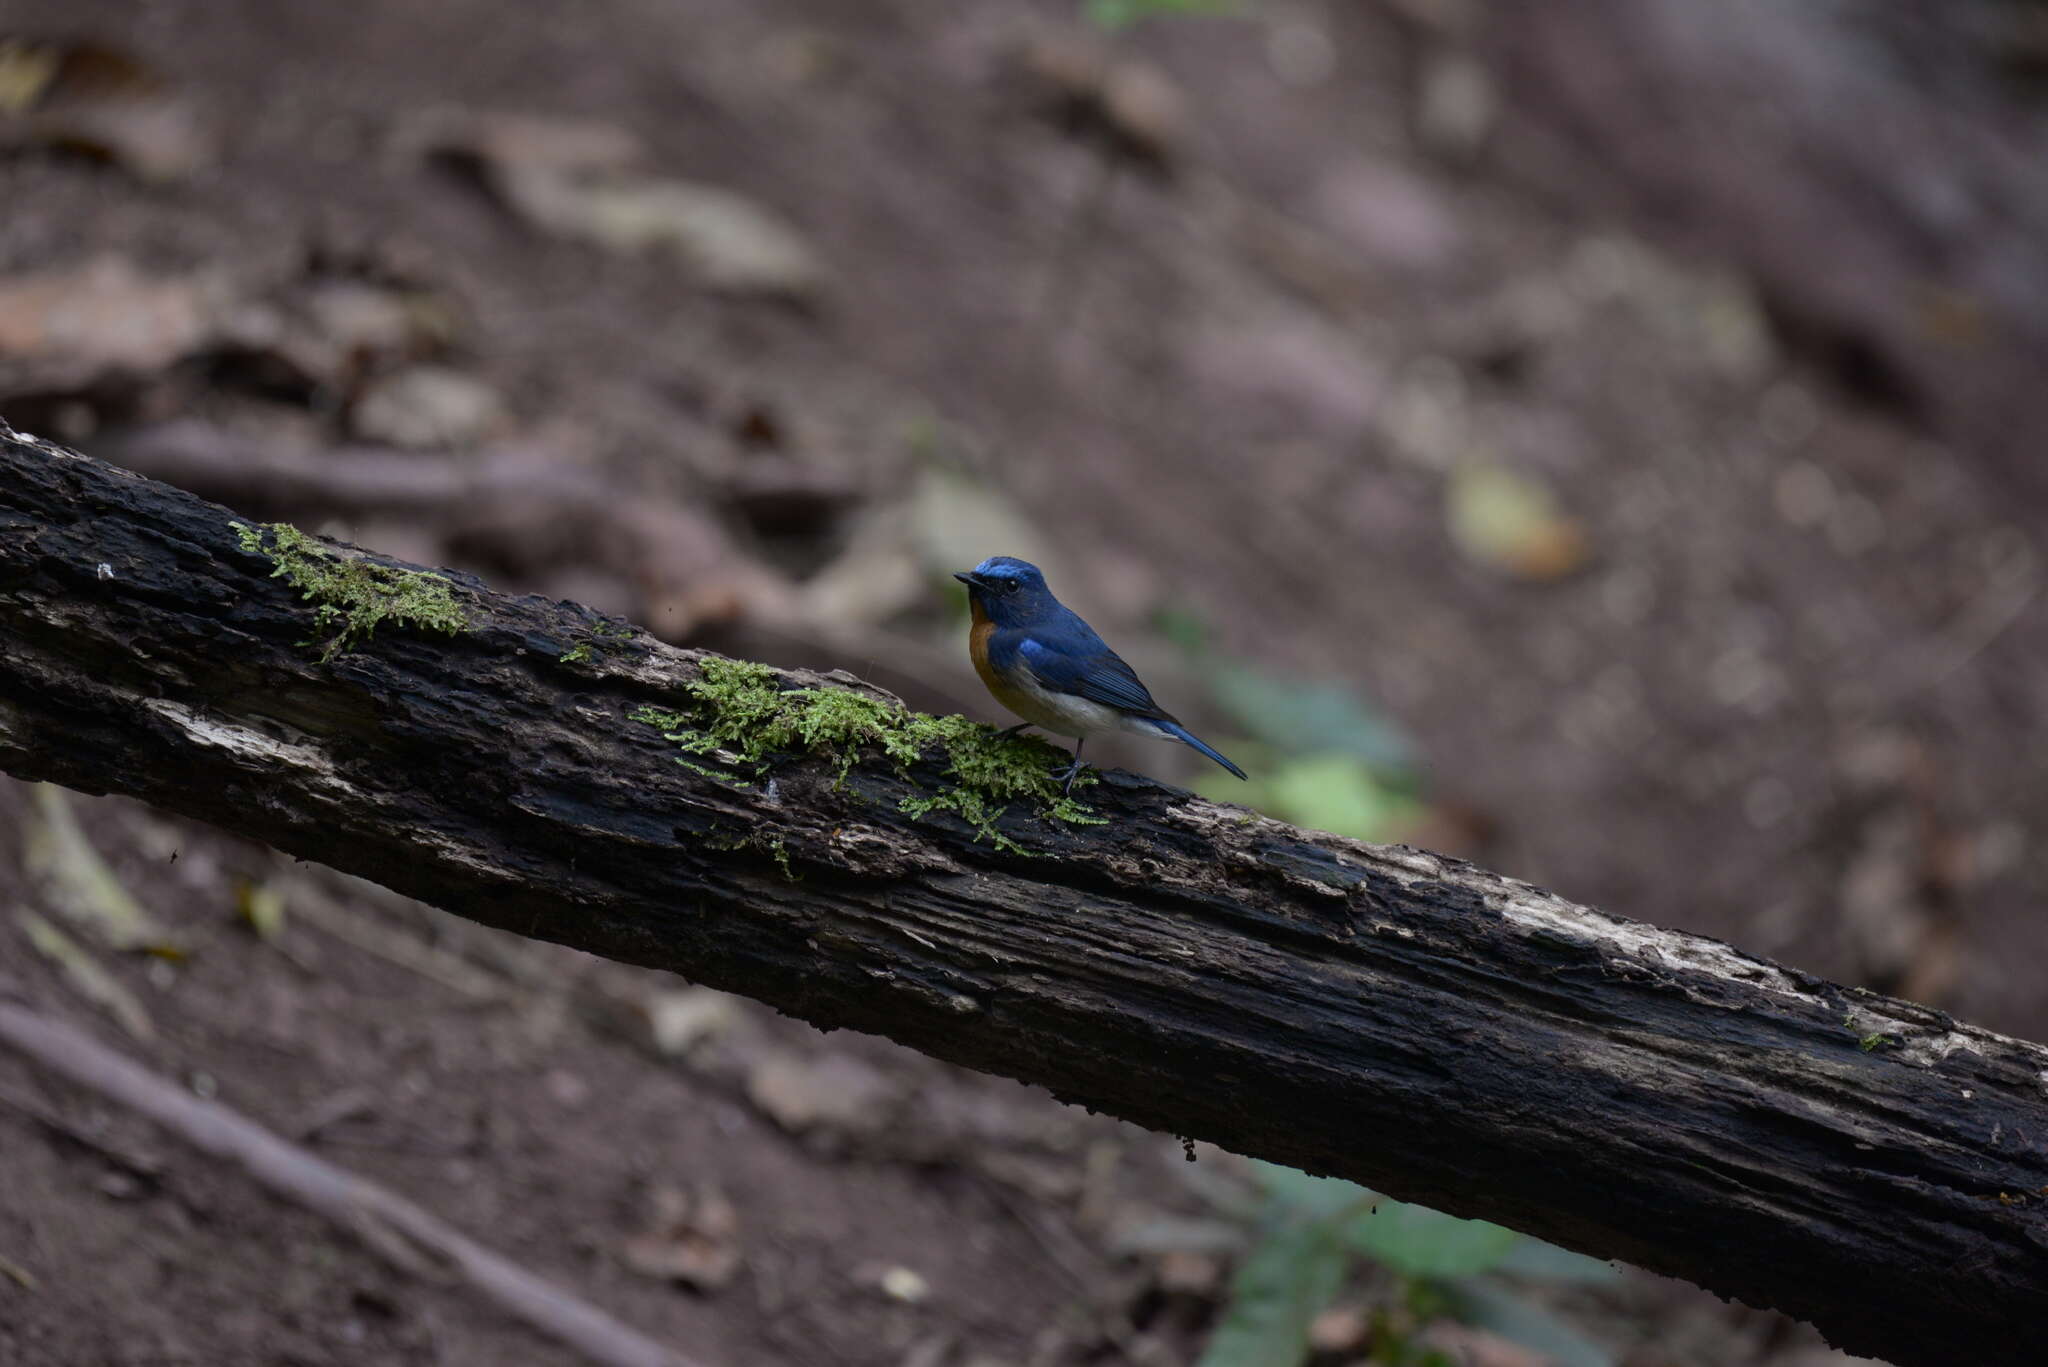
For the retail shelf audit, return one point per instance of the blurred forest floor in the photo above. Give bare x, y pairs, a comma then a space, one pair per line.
1410, 475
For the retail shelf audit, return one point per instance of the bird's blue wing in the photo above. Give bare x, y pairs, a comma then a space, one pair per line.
1070, 658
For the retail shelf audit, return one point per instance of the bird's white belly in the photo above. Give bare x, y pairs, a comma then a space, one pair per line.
1064, 714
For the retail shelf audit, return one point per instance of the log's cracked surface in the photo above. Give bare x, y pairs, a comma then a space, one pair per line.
1441, 1033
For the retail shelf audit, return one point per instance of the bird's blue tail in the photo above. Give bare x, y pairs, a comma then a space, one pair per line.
1187, 737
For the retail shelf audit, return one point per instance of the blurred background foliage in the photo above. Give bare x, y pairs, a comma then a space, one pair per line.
1310, 1236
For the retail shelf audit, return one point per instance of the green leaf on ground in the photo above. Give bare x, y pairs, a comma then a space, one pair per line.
1285, 1282
1534, 1258
1420, 1242
1309, 1197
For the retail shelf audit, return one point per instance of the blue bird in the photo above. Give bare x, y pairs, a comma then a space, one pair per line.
1048, 666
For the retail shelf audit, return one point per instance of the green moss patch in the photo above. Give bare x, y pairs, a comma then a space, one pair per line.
1868, 1042
743, 721
352, 596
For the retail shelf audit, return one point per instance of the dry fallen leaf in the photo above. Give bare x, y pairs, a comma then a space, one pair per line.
830, 1092
102, 321
19, 1275
323, 334
1131, 108
1508, 521
730, 242
74, 881
583, 181
874, 578
1339, 1329
97, 99
261, 906
680, 1020
957, 518
427, 407
86, 975
85, 321
691, 1238
904, 1284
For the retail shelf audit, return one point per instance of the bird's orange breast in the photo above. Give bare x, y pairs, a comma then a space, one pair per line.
977, 650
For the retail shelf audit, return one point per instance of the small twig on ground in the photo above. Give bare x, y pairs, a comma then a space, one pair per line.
385, 1221
20, 1275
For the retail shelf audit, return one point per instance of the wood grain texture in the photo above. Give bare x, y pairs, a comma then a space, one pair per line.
1441, 1033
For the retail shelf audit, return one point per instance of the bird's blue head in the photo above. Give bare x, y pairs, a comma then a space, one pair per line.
1006, 590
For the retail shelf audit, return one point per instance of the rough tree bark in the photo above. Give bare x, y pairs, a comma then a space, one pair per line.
1439, 1032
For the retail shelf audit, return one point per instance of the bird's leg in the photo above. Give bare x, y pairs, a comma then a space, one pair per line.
1072, 771
1010, 731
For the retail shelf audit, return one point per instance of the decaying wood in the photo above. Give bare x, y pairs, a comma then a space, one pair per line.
389, 1224
1436, 1031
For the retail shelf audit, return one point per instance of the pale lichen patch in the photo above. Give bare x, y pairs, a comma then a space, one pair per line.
662, 668
1407, 865
247, 743
44, 445
1911, 1043
449, 852
1217, 819
1670, 951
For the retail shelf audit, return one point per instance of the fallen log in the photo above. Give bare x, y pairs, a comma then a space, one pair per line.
1436, 1031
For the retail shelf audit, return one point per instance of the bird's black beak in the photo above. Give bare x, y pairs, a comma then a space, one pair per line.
968, 578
